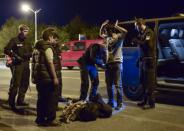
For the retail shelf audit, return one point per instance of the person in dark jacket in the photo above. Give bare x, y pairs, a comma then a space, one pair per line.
146, 41
94, 55
20, 50
46, 74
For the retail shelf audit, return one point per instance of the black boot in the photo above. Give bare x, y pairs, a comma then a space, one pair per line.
151, 102
11, 102
12, 105
143, 102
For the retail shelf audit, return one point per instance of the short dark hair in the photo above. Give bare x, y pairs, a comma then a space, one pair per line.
110, 29
140, 21
50, 31
23, 27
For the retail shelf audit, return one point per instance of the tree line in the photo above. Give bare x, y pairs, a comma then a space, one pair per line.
66, 32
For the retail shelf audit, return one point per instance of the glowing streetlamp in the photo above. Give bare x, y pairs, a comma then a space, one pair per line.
26, 8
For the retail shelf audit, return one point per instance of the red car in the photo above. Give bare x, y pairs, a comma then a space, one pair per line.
73, 51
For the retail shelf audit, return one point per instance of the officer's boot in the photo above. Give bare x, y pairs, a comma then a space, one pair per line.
11, 101
151, 101
21, 102
143, 102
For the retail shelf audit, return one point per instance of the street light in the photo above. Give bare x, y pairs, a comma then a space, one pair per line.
26, 8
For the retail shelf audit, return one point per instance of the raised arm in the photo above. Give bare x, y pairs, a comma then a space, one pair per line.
101, 28
121, 29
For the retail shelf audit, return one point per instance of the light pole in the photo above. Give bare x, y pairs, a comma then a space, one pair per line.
26, 8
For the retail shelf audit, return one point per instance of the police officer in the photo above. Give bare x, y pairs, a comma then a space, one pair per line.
114, 36
46, 74
146, 41
20, 49
94, 55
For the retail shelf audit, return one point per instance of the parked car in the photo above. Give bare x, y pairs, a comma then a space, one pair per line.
74, 50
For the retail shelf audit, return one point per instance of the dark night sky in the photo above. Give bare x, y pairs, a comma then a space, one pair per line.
92, 11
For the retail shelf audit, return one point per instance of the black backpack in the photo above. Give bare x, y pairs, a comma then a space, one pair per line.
104, 109
96, 108
89, 113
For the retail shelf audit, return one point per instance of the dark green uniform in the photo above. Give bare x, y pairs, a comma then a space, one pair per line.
41, 76
20, 50
146, 42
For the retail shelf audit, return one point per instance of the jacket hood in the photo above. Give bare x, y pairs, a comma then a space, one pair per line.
39, 44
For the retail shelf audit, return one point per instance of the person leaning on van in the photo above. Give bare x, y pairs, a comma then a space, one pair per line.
46, 74
19, 49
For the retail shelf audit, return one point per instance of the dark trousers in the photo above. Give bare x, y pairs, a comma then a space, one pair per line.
148, 81
19, 82
86, 72
114, 79
47, 101
60, 88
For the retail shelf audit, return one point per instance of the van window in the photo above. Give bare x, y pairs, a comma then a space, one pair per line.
79, 46
164, 36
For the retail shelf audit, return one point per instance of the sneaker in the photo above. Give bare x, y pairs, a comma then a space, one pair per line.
22, 104
119, 106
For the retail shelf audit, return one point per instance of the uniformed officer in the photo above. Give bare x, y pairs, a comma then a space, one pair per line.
114, 36
46, 74
146, 41
20, 49
94, 55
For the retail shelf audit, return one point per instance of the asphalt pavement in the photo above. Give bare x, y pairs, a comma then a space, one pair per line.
167, 116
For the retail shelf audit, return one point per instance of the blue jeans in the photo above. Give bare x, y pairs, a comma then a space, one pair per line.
86, 72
